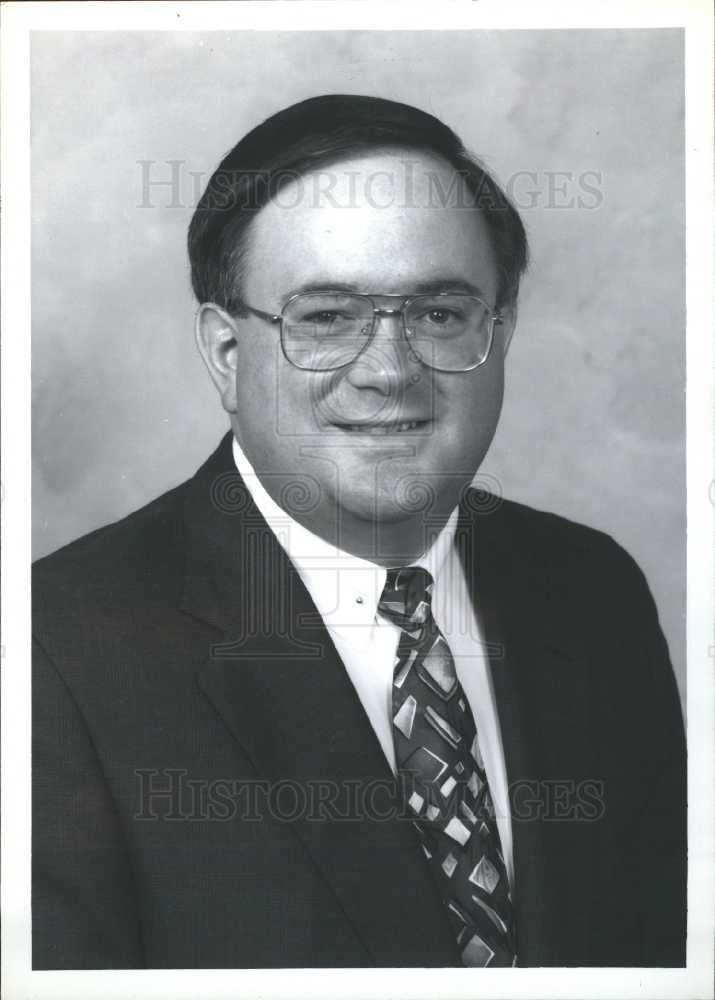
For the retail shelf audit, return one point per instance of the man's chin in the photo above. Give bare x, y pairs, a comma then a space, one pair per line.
412, 498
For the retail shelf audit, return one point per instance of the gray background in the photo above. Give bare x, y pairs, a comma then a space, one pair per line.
594, 418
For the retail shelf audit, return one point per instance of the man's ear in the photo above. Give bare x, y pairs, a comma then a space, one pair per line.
506, 328
216, 334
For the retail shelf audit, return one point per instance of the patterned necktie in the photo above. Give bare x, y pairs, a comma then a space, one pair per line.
442, 772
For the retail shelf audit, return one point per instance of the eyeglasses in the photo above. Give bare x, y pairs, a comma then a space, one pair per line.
326, 331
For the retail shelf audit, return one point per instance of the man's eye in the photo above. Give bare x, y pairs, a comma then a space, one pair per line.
322, 317
440, 317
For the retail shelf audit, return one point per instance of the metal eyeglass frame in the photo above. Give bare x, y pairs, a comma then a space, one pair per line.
495, 319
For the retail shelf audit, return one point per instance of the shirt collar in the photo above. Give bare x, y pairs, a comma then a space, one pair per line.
345, 588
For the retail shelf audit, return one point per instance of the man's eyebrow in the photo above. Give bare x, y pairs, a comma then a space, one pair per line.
320, 286
446, 283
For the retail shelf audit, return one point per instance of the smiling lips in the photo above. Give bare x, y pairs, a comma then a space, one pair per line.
391, 427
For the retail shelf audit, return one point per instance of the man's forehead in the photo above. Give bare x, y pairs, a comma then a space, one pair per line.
385, 219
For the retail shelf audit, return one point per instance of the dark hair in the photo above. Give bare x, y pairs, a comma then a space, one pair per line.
313, 134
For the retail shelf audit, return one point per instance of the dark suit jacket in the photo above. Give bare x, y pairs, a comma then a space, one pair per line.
179, 645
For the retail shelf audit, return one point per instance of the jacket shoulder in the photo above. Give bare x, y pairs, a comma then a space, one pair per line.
550, 535
131, 568
565, 557
140, 551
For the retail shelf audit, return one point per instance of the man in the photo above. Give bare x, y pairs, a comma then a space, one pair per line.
325, 704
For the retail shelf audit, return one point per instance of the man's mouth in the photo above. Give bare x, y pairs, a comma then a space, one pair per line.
385, 427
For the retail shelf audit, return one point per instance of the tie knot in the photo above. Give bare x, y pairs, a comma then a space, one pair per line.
407, 595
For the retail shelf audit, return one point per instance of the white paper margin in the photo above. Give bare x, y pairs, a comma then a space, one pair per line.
18, 19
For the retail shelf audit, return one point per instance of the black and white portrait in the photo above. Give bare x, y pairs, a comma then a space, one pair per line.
359, 499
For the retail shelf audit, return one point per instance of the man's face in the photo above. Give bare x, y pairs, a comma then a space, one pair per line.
380, 232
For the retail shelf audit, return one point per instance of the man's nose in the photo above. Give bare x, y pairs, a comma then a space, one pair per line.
388, 362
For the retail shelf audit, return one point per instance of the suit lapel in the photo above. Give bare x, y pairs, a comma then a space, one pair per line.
543, 714
275, 679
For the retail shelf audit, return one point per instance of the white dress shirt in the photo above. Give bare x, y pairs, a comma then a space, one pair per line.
346, 590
